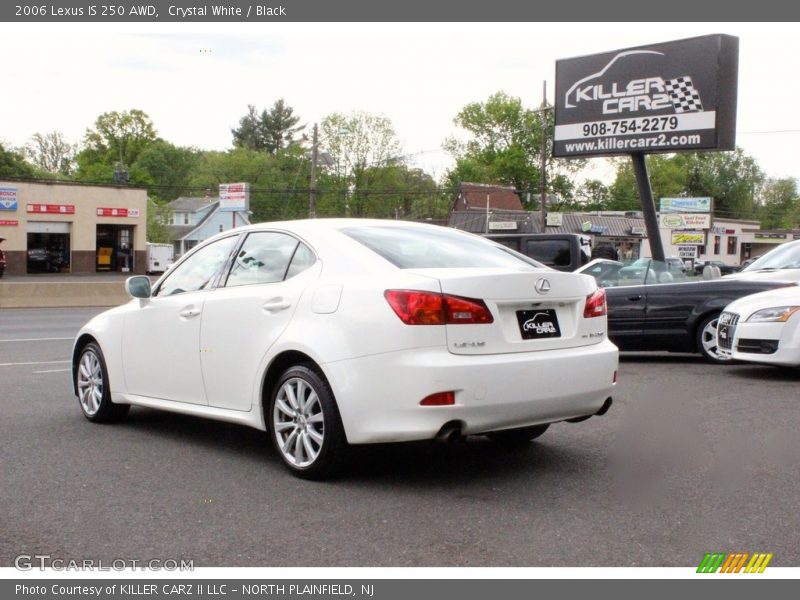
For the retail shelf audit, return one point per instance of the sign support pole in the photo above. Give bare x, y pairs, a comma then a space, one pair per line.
648, 206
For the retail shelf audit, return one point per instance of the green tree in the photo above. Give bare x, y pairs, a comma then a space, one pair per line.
250, 133
780, 204
279, 183
131, 130
504, 147
167, 169
13, 164
360, 145
149, 160
593, 194
115, 134
668, 178
52, 153
732, 179
157, 218
273, 130
280, 126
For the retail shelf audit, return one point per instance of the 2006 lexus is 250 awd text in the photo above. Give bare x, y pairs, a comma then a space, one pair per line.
333, 332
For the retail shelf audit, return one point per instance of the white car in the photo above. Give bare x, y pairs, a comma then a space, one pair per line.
763, 328
334, 332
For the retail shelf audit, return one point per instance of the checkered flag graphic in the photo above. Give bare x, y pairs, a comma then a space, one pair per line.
683, 95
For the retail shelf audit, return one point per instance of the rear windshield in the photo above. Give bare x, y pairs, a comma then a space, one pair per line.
551, 252
433, 248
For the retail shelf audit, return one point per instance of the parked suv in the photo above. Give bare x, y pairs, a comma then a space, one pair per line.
562, 251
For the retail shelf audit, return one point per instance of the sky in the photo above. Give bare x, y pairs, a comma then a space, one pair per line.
196, 80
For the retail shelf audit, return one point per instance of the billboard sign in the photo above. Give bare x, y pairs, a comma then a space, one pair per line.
660, 98
8, 198
685, 221
234, 197
685, 205
686, 238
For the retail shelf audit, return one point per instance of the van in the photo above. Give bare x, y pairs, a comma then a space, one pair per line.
562, 251
159, 257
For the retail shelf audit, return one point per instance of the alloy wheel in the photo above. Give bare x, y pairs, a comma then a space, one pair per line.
90, 382
708, 339
298, 422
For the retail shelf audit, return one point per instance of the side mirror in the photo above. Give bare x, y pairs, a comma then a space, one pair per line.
138, 287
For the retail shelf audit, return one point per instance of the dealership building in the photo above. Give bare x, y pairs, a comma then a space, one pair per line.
70, 227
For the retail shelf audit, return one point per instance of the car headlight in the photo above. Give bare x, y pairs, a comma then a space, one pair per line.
776, 314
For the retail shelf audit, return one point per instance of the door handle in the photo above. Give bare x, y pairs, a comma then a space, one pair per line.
189, 312
274, 305
635, 298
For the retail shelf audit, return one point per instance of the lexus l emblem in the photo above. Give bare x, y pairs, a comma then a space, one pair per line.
542, 286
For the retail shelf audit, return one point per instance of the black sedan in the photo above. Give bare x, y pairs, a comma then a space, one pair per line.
657, 312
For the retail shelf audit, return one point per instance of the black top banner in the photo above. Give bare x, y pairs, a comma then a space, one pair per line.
407, 11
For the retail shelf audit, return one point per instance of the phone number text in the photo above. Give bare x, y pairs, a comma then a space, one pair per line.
621, 127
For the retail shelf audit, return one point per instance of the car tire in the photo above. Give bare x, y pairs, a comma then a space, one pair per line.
94, 391
706, 340
517, 437
305, 426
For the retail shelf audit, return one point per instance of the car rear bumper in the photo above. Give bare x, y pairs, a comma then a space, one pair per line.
379, 396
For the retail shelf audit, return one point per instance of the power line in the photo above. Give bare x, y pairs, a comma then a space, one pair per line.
768, 132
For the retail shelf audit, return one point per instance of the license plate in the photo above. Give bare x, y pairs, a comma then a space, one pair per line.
538, 324
724, 336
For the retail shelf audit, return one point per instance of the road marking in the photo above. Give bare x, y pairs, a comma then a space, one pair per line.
38, 339
43, 362
53, 371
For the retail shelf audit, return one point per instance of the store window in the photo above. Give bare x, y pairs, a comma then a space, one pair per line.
717, 243
732, 245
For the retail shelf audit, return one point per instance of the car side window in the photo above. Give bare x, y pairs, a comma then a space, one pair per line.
198, 270
303, 258
263, 258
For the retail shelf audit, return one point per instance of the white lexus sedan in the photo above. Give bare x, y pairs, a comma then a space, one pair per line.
762, 328
327, 333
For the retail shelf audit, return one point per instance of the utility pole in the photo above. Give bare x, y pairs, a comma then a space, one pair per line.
121, 175
312, 192
543, 159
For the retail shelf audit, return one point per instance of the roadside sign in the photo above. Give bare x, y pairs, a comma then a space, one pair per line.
668, 97
234, 197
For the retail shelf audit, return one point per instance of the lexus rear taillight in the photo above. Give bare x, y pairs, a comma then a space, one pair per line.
430, 308
595, 304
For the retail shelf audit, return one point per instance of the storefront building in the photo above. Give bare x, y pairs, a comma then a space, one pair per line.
730, 241
69, 227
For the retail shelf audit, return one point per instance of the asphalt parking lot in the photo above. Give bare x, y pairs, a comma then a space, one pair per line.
691, 458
